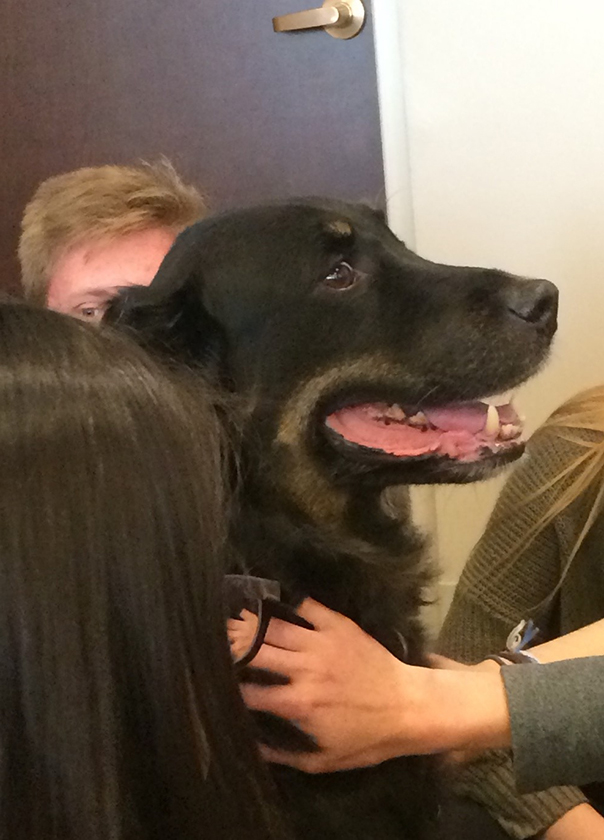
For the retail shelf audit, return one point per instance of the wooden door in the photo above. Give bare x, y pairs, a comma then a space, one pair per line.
244, 112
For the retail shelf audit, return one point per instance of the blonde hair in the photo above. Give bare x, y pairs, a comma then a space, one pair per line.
580, 422
95, 203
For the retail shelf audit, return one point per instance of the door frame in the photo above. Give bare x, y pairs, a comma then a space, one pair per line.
390, 68
392, 96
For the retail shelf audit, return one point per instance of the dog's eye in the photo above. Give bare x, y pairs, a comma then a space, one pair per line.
342, 277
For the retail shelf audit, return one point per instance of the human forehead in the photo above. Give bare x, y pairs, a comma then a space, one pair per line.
97, 267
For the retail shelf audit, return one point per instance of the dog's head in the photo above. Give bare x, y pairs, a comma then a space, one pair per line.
358, 359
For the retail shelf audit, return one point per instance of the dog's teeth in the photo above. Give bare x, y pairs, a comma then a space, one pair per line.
395, 412
509, 431
491, 427
418, 419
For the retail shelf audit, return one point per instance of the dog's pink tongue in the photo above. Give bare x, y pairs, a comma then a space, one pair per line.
363, 425
468, 417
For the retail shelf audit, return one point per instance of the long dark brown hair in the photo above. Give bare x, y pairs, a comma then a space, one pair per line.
120, 718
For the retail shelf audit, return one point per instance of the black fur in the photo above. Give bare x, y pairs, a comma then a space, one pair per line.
245, 296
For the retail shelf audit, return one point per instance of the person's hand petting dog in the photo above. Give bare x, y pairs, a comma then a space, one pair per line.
362, 705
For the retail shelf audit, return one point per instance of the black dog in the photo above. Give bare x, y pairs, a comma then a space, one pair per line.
359, 366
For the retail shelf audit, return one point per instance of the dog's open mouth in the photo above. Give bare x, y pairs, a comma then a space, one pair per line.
467, 432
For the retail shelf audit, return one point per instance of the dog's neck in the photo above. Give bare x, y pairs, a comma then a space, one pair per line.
345, 514
356, 559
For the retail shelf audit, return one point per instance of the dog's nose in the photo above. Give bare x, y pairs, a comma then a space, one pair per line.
533, 301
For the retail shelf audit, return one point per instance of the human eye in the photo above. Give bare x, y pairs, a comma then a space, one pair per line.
91, 312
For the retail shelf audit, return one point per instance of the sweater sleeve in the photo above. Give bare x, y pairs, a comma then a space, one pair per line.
557, 722
500, 585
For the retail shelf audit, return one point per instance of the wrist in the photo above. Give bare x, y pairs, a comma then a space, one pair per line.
450, 710
479, 702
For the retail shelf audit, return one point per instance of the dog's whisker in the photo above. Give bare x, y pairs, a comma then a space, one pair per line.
425, 397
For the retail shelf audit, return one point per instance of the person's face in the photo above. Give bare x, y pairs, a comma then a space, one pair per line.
87, 277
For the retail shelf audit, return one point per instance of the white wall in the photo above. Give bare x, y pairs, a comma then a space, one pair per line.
504, 147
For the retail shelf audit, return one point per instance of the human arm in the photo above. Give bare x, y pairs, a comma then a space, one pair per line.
566, 699
557, 722
586, 641
580, 823
556, 711
557, 731
364, 706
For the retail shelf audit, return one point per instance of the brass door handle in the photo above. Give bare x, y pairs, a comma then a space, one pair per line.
340, 19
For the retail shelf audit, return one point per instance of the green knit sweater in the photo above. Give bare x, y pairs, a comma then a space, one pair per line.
500, 586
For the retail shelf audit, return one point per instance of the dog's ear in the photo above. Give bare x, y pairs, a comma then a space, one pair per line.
169, 316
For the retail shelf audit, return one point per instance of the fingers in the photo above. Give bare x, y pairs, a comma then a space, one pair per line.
308, 762
282, 634
317, 762
277, 659
275, 698
319, 616
288, 636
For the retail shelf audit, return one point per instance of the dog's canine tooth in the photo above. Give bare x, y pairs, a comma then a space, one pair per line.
491, 427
